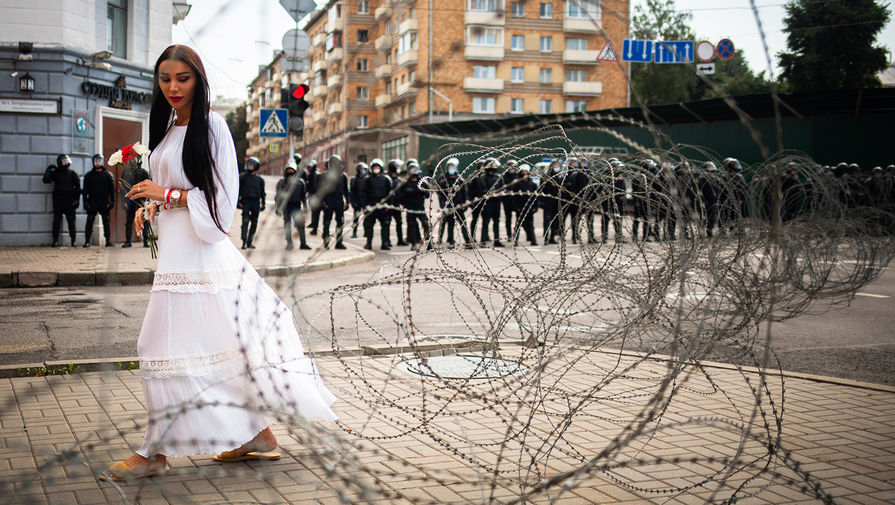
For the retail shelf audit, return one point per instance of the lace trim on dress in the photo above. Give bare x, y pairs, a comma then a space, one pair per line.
190, 366
197, 282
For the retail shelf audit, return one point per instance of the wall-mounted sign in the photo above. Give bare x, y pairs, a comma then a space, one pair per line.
29, 105
119, 96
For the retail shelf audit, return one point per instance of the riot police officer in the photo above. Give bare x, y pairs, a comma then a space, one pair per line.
413, 197
133, 173
525, 204
314, 178
490, 184
291, 203
377, 188
551, 189
356, 188
572, 191
336, 198
251, 200
395, 173
99, 197
66, 193
453, 195
508, 183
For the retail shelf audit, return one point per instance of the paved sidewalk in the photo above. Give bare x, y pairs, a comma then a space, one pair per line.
97, 265
407, 440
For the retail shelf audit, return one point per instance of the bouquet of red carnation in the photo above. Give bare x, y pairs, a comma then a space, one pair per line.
129, 156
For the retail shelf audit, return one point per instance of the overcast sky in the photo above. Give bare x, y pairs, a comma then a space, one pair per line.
234, 37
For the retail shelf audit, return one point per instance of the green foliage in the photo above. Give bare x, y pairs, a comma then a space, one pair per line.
734, 77
236, 120
831, 44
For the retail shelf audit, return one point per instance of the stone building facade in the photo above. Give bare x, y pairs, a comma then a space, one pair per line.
89, 66
378, 66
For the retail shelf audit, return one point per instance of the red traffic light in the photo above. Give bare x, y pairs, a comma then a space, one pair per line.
300, 91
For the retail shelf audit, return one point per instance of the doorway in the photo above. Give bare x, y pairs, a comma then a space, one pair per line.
116, 129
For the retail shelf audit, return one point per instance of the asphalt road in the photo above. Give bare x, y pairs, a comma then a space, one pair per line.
854, 341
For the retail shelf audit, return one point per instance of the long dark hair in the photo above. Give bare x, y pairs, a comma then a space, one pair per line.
198, 164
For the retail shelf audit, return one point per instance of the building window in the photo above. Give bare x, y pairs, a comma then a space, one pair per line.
407, 42
411, 76
388, 87
411, 109
518, 9
576, 105
516, 74
484, 36
363, 6
362, 65
363, 93
482, 5
116, 27
546, 44
545, 76
388, 58
394, 149
363, 36
576, 75
576, 44
485, 71
544, 106
518, 43
516, 105
546, 11
583, 9
483, 105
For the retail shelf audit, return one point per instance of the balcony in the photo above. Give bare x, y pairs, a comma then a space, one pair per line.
492, 18
383, 100
407, 26
308, 120
407, 58
482, 85
318, 116
405, 90
334, 80
484, 52
318, 40
579, 56
320, 90
318, 66
383, 42
382, 12
383, 71
336, 25
580, 25
582, 88
336, 108
335, 55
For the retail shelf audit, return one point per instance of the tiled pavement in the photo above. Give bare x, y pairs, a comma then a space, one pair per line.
420, 441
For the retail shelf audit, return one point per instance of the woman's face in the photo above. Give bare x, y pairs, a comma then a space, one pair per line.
178, 83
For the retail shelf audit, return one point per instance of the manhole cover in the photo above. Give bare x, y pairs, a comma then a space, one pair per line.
463, 366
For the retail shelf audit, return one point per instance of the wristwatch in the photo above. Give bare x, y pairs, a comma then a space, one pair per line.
175, 196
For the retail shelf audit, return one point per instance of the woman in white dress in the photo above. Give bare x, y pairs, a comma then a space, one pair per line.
220, 357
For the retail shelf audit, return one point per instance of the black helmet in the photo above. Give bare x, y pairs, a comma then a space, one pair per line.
732, 165
297, 158
648, 165
312, 164
99, 157
709, 166
334, 163
491, 164
253, 164
395, 165
63, 160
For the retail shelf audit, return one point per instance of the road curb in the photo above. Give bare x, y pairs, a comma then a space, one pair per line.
139, 277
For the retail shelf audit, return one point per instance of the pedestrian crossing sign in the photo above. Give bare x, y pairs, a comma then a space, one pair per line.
607, 53
273, 122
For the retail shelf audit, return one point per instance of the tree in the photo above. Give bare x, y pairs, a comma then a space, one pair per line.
236, 120
656, 84
830, 44
735, 78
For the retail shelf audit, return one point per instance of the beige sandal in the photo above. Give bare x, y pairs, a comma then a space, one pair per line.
121, 472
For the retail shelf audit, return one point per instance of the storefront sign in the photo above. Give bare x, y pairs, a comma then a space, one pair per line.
119, 96
29, 105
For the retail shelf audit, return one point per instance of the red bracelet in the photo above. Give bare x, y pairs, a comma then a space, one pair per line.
168, 195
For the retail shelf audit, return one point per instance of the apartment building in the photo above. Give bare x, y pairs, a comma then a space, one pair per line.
378, 66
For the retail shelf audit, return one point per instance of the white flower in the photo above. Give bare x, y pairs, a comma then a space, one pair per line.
115, 159
140, 148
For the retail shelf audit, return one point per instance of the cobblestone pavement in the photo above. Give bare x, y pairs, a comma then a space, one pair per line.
47, 266
842, 434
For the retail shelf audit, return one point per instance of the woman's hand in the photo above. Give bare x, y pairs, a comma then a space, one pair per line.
147, 189
139, 218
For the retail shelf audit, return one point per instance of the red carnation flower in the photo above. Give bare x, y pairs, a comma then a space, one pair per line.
128, 153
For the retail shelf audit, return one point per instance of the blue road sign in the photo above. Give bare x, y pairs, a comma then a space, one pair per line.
637, 50
725, 49
674, 51
273, 122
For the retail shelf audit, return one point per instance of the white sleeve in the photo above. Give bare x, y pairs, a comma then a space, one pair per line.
223, 152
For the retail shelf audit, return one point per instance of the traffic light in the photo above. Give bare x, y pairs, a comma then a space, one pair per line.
297, 106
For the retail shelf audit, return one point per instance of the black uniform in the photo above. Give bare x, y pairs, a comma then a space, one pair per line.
99, 197
474, 193
490, 185
290, 198
508, 183
251, 201
132, 175
395, 212
710, 190
551, 188
525, 205
376, 189
413, 198
313, 184
356, 188
66, 193
335, 201
572, 192
453, 195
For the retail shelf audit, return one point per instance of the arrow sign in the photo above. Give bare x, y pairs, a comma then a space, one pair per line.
607, 53
273, 122
680, 51
705, 68
637, 50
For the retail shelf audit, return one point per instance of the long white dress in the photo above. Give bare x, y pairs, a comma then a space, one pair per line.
220, 357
